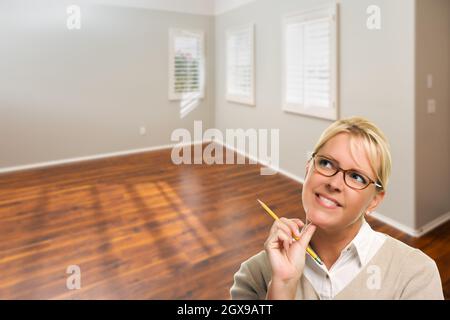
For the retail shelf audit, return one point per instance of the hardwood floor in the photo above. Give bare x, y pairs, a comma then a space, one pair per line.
140, 227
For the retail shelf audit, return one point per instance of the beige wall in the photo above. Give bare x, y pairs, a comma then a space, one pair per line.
432, 130
67, 94
376, 80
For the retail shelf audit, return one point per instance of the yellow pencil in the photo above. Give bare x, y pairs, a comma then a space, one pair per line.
273, 215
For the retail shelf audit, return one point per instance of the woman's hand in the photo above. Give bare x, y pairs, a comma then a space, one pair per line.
286, 255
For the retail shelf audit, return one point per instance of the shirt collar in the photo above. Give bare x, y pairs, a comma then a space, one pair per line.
360, 244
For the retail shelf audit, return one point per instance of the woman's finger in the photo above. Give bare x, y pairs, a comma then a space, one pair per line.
278, 237
298, 222
292, 226
280, 225
285, 238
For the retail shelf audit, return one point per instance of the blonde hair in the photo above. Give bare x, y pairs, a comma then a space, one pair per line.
374, 141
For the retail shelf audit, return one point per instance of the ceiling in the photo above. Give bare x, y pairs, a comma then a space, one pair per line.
205, 7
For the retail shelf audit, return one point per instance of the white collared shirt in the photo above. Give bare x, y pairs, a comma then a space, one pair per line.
354, 257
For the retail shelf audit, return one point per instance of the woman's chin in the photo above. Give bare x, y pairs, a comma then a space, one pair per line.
321, 219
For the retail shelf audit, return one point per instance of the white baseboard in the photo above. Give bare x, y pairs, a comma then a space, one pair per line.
91, 157
434, 223
391, 222
410, 231
395, 224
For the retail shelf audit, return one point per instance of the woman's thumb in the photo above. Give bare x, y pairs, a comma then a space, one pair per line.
306, 236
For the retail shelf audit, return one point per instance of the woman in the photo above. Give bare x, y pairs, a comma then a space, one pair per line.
346, 179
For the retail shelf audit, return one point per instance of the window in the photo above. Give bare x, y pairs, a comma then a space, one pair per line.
186, 68
240, 65
310, 63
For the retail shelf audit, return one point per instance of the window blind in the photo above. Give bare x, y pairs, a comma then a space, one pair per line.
310, 63
240, 74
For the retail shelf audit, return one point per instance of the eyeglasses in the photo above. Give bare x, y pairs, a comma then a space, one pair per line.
352, 178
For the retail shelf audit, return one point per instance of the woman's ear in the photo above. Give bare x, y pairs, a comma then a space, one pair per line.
377, 199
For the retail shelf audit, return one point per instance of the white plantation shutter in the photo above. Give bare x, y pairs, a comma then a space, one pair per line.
186, 65
240, 64
310, 63
294, 64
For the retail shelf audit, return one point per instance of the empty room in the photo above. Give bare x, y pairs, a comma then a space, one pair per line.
224, 150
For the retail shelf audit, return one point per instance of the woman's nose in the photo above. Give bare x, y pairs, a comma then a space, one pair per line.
336, 182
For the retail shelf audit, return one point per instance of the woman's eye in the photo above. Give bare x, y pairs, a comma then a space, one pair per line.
358, 178
323, 163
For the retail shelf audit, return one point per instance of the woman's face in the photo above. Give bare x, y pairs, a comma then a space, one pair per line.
352, 203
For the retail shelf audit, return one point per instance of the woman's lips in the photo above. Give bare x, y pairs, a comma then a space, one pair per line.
329, 204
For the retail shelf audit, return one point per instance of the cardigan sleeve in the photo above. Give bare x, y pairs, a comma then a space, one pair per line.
250, 280
422, 279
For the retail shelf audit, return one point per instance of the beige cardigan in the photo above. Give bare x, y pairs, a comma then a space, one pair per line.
405, 273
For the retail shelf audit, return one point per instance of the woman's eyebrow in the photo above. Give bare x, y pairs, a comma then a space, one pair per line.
355, 169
